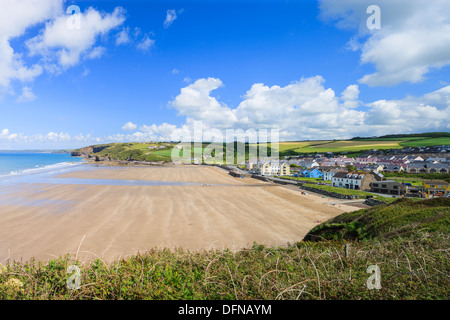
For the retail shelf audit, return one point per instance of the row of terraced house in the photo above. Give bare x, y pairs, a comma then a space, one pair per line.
405, 163
326, 167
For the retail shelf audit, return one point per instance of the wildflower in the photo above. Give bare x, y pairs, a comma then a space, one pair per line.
14, 284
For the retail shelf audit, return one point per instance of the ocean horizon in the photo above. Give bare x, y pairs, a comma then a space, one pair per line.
16, 162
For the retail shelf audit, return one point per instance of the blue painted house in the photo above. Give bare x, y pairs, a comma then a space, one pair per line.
315, 173
304, 173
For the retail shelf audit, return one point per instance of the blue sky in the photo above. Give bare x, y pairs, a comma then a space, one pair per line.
146, 70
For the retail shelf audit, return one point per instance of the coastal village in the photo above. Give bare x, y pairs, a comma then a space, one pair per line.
368, 172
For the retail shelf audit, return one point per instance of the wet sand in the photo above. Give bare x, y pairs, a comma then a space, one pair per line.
46, 220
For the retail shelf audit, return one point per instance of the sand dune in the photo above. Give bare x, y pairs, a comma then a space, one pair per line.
110, 221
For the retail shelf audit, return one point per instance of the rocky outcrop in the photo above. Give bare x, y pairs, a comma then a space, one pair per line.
89, 152
83, 152
98, 158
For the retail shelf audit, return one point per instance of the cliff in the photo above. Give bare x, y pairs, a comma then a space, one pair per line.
127, 153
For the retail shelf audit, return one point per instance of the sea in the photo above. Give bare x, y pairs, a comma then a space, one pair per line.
16, 163
17, 167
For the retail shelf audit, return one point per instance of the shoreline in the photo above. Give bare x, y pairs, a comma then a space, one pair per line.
45, 220
38, 167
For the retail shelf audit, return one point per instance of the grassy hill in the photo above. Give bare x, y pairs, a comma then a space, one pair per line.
408, 242
132, 151
412, 136
294, 148
404, 217
358, 144
155, 151
415, 139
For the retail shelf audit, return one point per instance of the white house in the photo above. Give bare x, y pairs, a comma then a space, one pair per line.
329, 174
273, 168
410, 159
353, 180
309, 164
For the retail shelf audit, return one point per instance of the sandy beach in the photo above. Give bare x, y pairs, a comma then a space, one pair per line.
72, 214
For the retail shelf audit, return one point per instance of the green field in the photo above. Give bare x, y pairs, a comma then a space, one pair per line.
390, 139
427, 142
413, 141
358, 145
292, 148
299, 146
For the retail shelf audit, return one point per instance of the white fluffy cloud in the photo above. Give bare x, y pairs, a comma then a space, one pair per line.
413, 40
5, 135
300, 109
26, 96
145, 44
195, 102
171, 16
129, 126
123, 37
19, 138
165, 131
15, 18
430, 112
52, 136
96, 52
350, 96
304, 100
306, 109
66, 44
56, 45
